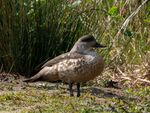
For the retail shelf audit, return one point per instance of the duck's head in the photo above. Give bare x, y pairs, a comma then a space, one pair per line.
85, 43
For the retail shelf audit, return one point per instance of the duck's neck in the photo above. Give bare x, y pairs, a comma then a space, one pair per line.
78, 48
85, 52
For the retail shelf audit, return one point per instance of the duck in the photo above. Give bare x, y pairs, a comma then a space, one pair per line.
80, 64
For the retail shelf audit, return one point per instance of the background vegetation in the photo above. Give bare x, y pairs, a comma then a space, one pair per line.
33, 30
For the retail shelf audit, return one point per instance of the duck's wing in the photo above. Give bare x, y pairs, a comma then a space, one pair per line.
55, 60
48, 62
51, 63
61, 58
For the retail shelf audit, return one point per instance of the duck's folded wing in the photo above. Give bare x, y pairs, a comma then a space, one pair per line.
41, 71
48, 63
61, 58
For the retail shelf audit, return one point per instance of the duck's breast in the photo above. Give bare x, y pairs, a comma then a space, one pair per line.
93, 67
81, 69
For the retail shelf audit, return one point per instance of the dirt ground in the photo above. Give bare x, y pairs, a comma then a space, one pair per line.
17, 96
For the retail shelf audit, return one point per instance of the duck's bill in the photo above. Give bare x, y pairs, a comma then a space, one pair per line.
97, 45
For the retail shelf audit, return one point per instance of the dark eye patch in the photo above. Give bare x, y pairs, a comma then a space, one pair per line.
88, 38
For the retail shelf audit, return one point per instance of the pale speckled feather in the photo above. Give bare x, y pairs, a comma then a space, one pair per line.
61, 58
49, 71
81, 69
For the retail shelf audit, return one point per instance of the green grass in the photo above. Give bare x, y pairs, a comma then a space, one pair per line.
34, 99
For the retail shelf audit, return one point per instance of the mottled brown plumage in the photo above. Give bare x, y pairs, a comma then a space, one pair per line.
81, 64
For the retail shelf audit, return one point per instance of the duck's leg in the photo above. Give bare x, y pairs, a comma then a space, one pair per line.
78, 89
70, 88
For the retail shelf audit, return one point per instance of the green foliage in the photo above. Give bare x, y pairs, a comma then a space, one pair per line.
38, 29
114, 11
33, 30
128, 33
